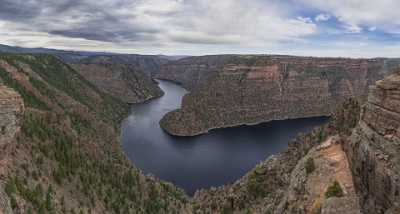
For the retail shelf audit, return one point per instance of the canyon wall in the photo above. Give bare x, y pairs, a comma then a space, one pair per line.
67, 157
349, 166
232, 90
119, 78
374, 149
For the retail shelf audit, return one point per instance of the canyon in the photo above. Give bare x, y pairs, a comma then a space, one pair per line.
358, 151
232, 90
61, 152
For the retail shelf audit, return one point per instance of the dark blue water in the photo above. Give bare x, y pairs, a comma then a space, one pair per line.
219, 157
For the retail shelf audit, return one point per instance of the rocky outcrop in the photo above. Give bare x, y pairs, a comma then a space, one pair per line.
11, 111
235, 90
125, 81
374, 149
310, 180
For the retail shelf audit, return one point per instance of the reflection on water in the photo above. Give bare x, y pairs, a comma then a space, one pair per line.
217, 158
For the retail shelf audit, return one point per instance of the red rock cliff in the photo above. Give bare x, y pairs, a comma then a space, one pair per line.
236, 90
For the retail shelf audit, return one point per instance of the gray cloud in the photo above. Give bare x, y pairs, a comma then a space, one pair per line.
88, 19
17, 10
178, 21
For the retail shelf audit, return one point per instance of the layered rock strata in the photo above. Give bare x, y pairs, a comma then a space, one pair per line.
234, 90
374, 149
11, 111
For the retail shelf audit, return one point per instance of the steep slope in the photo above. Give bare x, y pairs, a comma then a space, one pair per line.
11, 111
67, 157
374, 149
233, 90
349, 166
120, 76
297, 180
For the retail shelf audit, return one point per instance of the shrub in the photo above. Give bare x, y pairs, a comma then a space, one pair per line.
334, 191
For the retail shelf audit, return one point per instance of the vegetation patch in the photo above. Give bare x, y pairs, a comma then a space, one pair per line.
29, 99
335, 190
256, 183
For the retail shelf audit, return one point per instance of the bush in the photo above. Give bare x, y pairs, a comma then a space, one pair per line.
334, 191
310, 166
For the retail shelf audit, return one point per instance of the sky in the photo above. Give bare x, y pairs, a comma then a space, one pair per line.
346, 28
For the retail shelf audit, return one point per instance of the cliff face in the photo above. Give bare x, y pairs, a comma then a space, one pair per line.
119, 78
11, 112
234, 90
351, 165
191, 71
374, 147
67, 156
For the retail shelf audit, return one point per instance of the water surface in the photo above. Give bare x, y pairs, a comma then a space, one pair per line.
219, 157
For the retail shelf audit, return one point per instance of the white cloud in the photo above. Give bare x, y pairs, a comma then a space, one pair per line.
199, 26
232, 21
352, 28
382, 13
322, 17
305, 19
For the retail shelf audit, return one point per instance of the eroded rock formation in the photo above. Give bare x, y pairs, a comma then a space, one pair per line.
374, 149
234, 90
11, 111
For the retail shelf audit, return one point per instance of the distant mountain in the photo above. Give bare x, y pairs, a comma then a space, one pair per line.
16, 49
148, 64
77, 55
173, 57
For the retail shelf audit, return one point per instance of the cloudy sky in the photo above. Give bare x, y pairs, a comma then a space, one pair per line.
354, 28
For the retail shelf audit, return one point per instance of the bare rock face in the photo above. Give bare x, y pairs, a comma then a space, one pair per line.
314, 174
374, 149
11, 111
237, 90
